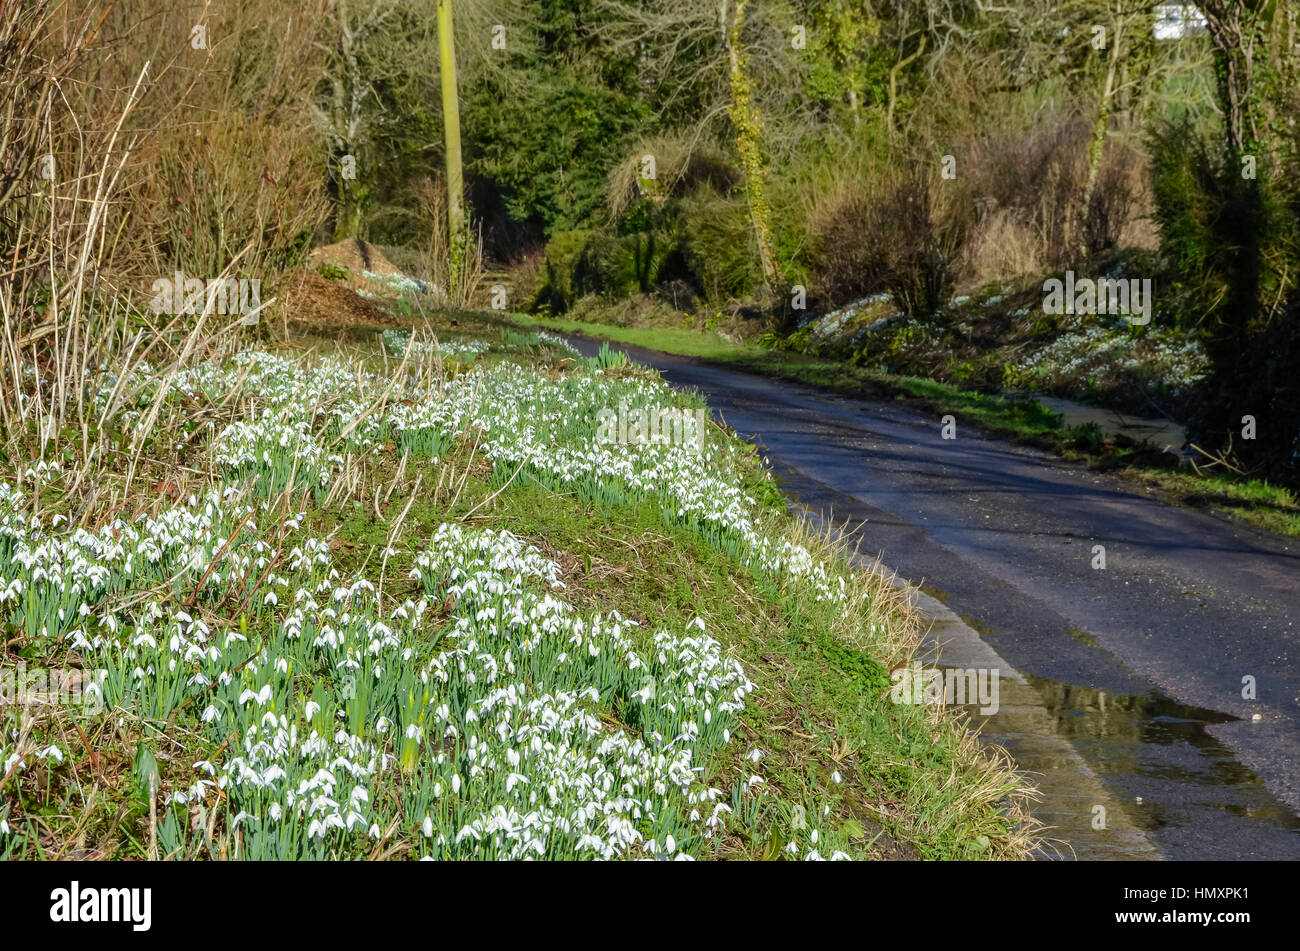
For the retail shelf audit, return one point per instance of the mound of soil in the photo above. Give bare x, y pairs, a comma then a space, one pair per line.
316, 305
358, 257
355, 255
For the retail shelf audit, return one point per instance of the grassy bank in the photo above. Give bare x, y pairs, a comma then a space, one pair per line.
401, 600
1267, 506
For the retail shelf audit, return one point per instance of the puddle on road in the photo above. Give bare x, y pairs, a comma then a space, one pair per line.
1171, 779
1161, 433
1170, 789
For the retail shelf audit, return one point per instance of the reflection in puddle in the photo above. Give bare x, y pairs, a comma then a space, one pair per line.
1155, 757
1160, 433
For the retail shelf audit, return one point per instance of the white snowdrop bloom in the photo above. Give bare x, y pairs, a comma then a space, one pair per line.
836, 777
427, 827
531, 674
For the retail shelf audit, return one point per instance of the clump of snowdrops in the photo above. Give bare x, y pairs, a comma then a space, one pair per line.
472, 719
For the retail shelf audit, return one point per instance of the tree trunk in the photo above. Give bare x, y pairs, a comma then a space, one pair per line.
749, 136
894, 70
346, 123
1100, 130
1232, 30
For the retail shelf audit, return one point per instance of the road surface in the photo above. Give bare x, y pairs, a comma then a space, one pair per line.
1145, 665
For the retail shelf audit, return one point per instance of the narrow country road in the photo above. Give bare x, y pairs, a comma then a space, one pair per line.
1140, 664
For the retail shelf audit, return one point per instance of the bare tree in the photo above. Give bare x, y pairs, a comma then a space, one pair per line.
344, 113
1236, 28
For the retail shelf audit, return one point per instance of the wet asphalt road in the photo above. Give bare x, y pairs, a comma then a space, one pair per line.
1187, 606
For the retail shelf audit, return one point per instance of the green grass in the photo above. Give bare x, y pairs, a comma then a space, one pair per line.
1021, 418
1270, 507
690, 343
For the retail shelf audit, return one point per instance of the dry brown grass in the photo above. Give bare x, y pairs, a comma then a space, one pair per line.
1015, 207
128, 154
436, 261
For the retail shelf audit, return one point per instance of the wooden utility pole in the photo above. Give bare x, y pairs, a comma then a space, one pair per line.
451, 135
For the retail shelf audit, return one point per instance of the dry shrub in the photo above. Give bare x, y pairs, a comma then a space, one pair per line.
233, 166
1002, 247
231, 185
1028, 195
1018, 206
684, 165
31, 71
902, 237
56, 215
